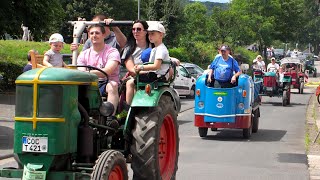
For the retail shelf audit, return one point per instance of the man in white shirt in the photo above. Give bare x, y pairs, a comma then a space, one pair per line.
273, 66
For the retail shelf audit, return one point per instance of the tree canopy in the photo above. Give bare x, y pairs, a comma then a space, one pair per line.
192, 27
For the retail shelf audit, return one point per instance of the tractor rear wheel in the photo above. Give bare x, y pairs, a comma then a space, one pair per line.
247, 132
315, 73
203, 131
155, 146
255, 125
111, 165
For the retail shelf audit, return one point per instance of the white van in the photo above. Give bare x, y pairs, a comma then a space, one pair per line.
184, 83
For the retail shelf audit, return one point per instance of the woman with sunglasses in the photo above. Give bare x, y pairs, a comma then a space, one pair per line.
138, 41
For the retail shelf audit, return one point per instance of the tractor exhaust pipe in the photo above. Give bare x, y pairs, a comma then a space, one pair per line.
85, 136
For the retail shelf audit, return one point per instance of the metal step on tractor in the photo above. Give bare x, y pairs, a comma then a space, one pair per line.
64, 128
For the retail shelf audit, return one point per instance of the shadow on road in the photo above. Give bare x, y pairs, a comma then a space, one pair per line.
180, 122
292, 158
263, 135
6, 138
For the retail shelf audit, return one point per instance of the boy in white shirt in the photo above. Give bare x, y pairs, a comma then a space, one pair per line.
159, 56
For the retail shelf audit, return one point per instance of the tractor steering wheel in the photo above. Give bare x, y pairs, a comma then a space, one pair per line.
92, 68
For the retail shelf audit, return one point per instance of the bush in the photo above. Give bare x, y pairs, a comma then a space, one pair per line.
244, 55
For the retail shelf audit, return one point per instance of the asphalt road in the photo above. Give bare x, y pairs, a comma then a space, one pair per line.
276, 152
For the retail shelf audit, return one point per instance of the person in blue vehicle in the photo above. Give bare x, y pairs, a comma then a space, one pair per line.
221, 73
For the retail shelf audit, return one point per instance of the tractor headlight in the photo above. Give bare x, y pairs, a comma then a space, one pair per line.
200, 104
241, 106
106, 109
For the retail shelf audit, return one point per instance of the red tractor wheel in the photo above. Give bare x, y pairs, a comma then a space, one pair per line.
111, 165
155, 146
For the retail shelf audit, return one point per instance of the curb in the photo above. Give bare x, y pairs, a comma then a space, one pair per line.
6, 156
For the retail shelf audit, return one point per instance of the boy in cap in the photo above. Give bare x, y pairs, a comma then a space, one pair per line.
222, 69
159, 56
53, 57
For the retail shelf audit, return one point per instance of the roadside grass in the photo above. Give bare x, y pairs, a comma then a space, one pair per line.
310, 124
17, 50
307, 139
311, 139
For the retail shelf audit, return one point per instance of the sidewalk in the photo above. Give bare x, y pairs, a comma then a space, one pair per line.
7, 110
313, 131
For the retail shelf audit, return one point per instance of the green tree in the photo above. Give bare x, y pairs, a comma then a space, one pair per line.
41, 17
310, 33
195, 26
168, 11
260, 17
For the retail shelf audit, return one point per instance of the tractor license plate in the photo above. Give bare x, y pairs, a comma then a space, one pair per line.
34, 144
269, 88
293, 79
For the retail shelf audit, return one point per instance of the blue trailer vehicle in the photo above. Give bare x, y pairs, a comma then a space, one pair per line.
236, 107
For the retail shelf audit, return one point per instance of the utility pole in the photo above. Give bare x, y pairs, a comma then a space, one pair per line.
138, 9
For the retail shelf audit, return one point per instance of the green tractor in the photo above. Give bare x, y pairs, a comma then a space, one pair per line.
310, 67
64, 129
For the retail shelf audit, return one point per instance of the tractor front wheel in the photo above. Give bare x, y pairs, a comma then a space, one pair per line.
155, 146
301, 87
284, 98
203, 131
111, 165
192, 93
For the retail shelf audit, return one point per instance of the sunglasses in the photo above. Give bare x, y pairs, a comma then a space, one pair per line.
137, 30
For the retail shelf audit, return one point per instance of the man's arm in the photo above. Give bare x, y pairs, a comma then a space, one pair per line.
121, 38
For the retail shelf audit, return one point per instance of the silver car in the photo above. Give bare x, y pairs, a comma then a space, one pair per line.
193, 69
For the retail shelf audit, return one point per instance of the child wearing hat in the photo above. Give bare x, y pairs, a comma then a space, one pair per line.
159, 54
53, 57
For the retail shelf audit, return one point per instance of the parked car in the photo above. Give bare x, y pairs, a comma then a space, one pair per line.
184, 82
193, 69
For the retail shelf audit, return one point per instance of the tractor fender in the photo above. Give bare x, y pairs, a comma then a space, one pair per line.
142, 99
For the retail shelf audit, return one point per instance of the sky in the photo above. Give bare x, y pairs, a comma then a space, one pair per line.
221, 1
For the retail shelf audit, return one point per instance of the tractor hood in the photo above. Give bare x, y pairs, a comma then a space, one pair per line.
56, 75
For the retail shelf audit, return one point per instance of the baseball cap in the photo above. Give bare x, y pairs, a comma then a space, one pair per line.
157, 27
145, 55
56, 37
273, 58
224, 48
255, 60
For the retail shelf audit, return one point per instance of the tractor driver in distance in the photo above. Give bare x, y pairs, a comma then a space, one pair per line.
106, 58
273, 66
221, 72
